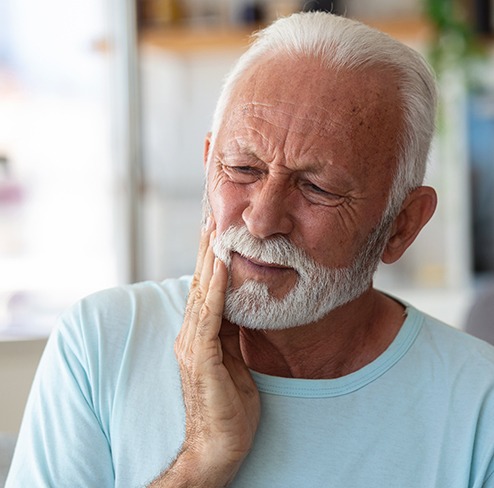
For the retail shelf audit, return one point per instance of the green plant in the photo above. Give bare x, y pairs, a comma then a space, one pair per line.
454, 42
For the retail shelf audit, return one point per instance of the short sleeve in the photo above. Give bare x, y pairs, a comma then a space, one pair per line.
60, 413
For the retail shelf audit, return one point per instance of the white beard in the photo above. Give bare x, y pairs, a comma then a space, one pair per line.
318, 289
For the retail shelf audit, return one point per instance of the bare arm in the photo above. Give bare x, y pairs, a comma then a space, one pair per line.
221, 399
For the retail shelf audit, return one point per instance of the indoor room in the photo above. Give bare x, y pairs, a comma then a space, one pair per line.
104, 108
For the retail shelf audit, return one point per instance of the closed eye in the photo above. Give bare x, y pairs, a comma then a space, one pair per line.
242, 174
243, 169
316, 189
317, 195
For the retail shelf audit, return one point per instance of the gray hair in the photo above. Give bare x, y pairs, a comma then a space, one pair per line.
340, 42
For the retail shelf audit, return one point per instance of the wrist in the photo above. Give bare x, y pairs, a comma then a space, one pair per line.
209, 466
192, 469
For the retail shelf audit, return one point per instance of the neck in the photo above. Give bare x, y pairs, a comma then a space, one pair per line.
344, 341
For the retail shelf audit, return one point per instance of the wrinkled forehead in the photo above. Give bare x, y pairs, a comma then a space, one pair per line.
285, 114
354, 113
304, 90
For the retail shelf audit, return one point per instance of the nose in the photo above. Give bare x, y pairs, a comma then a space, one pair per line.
268, 212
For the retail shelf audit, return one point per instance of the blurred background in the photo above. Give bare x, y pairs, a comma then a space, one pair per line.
104, 105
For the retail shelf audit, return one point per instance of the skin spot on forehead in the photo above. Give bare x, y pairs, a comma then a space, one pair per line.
323, 95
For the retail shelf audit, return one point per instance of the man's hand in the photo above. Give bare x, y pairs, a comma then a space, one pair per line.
221, 399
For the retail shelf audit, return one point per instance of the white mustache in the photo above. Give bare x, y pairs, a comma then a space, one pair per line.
276, 250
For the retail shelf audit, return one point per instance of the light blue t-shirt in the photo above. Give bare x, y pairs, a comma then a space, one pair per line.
106, 407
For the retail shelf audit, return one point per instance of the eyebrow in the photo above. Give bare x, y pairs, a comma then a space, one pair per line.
243, 150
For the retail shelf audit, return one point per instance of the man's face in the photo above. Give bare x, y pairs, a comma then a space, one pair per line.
307, 157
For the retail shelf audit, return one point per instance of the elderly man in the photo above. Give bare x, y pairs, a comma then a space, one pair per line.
288, 368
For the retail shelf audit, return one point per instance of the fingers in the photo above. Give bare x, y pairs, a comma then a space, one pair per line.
211, 311
207, 264
204, 310
204, 245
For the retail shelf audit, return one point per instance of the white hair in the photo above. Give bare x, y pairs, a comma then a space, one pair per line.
342, 43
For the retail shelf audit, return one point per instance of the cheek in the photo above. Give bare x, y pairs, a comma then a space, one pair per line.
327, 240
227, 205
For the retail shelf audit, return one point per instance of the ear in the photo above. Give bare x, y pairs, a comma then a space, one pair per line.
416, 211
207, 147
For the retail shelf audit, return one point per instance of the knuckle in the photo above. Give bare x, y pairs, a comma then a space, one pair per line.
185, 358
207, 312
198, 293
181, 348
204, 313
195, 297
195, 282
